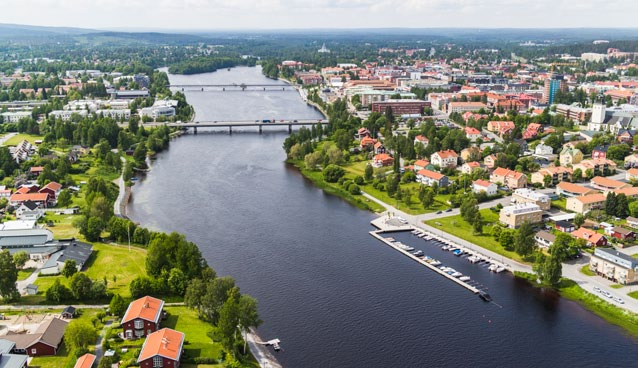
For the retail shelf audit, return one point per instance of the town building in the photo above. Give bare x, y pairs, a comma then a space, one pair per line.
473, 134
162, 349
382, 159
484, 186
508, 178
447, 158
15, 116
615, 266
419, 139
515, 215
573, 112
462, 107
142, 317
621, 233
74, 250
500, 127
9, 360
469, 167
551, 87
592, 238
570, 156
607, 185
45, 340
564, 226
586, 203
559, 174
567, 189
602, 166
428, 177
400, 107
544, 239
525, 195
543, 150
599, 152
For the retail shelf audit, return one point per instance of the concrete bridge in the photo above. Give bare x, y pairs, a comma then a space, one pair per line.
243, 123
233, 86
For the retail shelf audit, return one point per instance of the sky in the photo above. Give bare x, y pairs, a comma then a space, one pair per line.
308, 14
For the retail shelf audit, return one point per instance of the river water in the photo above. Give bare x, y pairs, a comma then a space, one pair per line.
334, 295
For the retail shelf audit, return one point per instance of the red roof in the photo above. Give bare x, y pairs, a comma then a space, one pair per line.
422, 163
36, 169
471, 131
367, 141
53, 186
482, 183
446, 154
506, 172
421, 138
431, 174
36, 197
85, 361
147, 308
165, 342
473, 164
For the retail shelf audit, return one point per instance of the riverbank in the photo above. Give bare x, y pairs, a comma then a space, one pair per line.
570, 289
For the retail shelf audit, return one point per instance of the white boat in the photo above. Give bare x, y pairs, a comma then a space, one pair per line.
499, 269
427, 237
464, 278
492, 267
456, 274
435, 262
390, 239
445, 247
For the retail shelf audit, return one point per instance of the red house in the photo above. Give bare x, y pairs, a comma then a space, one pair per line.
622, 233
599, 152
162, 348
142, 317
46, 340
85, 361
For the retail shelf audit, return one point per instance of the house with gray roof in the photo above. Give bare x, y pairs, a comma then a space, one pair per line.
614, 266
74, 250
44, 341
8, 360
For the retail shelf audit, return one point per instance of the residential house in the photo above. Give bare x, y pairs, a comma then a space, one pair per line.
473, 134
608, 185
469, 167
626, 136
421, 164
162, 349
532, 130
75, 250
599, 152
4, 192
447, 158
428, 177
68, 312
567, 189
142, 317
564, 226
570, 156
615, 266
515, 215
35, 171
544, 239
490, 161
558, 174
462, 107
382, 159
500, 127
81, 150
362, 132
632, 222
631, 174
484, 186
367, 143
9, 360
601, 166
590, 236
46, 339
622, 233
42, 199
586, 203
508, 178
422, 140
29, 210
525, 195
31, 289
470, 153
85, 361
379, 148
543, 150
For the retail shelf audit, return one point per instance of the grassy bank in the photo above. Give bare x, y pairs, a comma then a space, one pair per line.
607, 311
456, 226
316, 178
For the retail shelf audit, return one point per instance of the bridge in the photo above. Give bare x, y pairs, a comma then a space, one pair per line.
242, 123
242, 86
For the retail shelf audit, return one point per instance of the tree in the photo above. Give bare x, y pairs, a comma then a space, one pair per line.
94, 228
579, 220
248, 316
618, 152
633, 208
622, 206
8, 277
368, 173
548, 268
610, 204
547, 181
177, 281
79, 334
524, 240
229, 319
141, 286
342, 138
117, 306
81, 286
577, 175
216, 293
332, 173
477, 224
506, 238
20, 258
58, 293
64, 199
428, 198
194, 295
70, 268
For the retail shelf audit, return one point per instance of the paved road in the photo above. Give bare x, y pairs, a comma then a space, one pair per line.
6, 137
261, 352
117, 206
98, 345
76, 306
22, 284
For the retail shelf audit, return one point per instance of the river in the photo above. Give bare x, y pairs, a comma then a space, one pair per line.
334, 295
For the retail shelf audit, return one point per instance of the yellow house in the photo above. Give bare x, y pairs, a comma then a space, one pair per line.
570, 156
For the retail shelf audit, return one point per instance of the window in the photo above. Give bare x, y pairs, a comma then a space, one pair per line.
158, 362
139, 324
34, 351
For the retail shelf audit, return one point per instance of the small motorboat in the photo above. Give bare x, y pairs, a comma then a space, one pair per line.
485, 296
464, 278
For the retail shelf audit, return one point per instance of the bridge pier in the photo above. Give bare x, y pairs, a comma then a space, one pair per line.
223, 89
195, 130
283, 89
260, 129
230, 130
264, 88
289, 128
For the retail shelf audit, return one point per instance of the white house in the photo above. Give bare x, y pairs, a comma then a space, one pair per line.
543, 150
29, 210
484, 186
447, 158
421, 140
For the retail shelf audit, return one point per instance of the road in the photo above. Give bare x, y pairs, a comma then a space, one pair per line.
6, 137
117, 206
262, 353
571, 270
22, 284
98, 345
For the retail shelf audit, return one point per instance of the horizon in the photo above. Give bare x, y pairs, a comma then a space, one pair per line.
260, 15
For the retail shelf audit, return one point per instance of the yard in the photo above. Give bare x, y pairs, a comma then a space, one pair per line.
115, 263
198, 342
15, 140
457, 226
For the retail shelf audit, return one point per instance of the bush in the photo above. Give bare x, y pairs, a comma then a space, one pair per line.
354, 189
332, 173
358, 180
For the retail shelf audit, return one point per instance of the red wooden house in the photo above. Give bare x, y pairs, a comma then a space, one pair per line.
142, 317
162, 348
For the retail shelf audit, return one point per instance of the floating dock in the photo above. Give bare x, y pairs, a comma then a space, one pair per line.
377, 234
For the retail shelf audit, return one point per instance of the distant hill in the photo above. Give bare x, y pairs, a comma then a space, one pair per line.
21, 31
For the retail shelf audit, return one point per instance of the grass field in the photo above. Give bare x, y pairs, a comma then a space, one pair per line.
13, 141
23, 274
585, 270
107, 261
456, 226
197, 332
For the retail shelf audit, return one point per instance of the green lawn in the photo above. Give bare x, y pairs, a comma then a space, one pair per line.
617, 286
633, 294
198, 343
585, 270
456, 226
23, 274
108, 261
560, 203
15, 140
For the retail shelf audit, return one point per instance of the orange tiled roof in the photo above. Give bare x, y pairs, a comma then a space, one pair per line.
165, 342
147, 308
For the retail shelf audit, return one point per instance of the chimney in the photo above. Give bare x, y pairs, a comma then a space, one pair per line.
146, 305
165, 342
